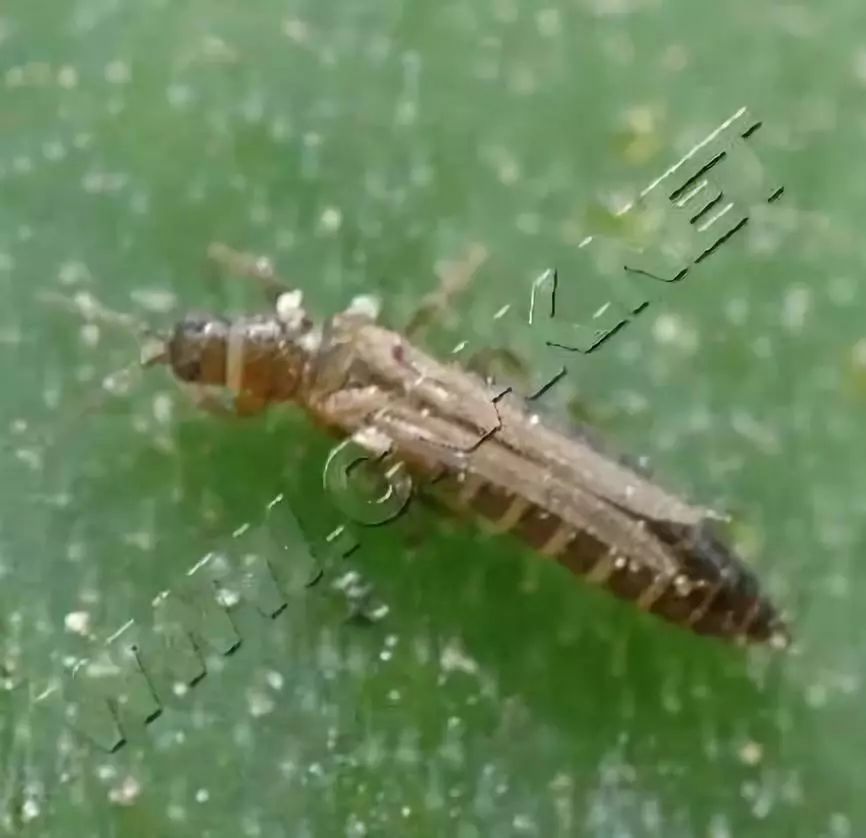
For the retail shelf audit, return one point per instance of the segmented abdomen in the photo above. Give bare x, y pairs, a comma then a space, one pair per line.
713, 593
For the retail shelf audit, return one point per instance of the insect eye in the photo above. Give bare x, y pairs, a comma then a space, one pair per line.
184, 357
188, 369
195, 323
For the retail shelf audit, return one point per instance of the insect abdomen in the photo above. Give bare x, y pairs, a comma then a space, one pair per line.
712, 594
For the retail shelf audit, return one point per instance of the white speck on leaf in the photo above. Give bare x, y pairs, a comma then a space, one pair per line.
77, 622
455, 659
126, 793
67, 77
795, 306
331, 219
118, 72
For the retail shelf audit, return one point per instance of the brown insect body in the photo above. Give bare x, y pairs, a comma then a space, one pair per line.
486, 452
261, 359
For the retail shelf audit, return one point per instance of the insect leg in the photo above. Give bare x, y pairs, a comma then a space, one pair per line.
350, 408
453, 280
501, 365
249, 404
225, 405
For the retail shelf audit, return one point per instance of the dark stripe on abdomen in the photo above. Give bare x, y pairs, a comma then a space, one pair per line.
712, 594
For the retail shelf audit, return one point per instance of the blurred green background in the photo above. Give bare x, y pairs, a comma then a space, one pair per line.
363, 145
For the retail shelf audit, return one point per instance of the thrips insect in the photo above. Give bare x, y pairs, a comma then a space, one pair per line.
478, 449
471, 446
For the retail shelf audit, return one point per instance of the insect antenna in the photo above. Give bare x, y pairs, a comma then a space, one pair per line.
89, 308
152, 351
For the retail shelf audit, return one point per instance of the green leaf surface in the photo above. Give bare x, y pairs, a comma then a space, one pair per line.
365, 145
